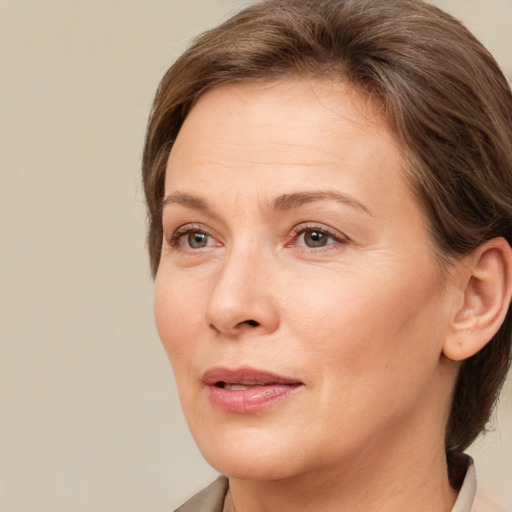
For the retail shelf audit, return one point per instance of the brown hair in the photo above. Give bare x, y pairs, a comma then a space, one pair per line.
442, 93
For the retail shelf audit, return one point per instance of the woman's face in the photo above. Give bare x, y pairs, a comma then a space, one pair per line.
298, 296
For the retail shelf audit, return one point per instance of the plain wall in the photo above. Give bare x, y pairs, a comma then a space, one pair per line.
89, 417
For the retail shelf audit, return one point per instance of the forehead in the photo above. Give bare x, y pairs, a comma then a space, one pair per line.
284, 124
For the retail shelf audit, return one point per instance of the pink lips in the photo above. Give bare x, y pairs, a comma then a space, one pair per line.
246, 389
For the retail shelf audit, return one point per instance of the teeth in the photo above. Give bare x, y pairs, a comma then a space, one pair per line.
236, 387
240, 387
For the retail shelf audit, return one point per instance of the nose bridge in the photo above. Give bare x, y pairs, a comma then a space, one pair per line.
240, 299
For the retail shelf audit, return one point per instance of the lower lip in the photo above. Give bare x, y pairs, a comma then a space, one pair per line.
251, 399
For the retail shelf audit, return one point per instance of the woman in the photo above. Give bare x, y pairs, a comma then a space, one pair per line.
330, 203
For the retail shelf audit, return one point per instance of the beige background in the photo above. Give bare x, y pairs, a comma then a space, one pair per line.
89, 419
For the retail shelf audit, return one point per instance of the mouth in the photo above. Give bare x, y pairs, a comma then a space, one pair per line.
245, 390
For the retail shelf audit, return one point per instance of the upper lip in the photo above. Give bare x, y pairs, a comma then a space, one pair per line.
244, 375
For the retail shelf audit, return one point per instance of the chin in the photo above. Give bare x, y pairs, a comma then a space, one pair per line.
246, 468
251, 457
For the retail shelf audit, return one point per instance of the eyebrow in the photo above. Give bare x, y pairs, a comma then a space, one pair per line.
295, 200
280, 203
187, 200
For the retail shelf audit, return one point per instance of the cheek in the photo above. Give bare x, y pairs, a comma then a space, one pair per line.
368, 322
177, 317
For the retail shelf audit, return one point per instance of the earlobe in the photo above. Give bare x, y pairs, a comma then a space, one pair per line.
487, 289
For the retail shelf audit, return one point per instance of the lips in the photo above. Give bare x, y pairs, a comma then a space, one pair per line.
246, 389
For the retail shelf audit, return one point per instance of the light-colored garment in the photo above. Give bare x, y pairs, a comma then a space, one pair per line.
469, 500
212, 498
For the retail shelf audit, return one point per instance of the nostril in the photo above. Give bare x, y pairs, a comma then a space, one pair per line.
211, 326
250, 323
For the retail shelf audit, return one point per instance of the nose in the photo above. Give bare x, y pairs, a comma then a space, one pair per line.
242, 301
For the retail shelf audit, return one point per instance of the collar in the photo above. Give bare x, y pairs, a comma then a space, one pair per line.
467, 493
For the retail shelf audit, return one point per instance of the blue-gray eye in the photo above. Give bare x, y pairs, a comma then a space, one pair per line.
315, 238
197, 240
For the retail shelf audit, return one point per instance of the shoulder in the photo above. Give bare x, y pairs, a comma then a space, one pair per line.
210, 499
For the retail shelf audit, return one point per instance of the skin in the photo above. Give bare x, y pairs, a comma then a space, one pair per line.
360, 321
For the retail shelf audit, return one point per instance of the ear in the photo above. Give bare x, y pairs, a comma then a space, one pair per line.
486, 285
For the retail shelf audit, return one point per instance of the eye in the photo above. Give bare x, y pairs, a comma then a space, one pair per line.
192, 238
196, 240
315, 237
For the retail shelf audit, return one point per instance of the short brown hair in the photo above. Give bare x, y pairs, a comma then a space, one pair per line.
442, 93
